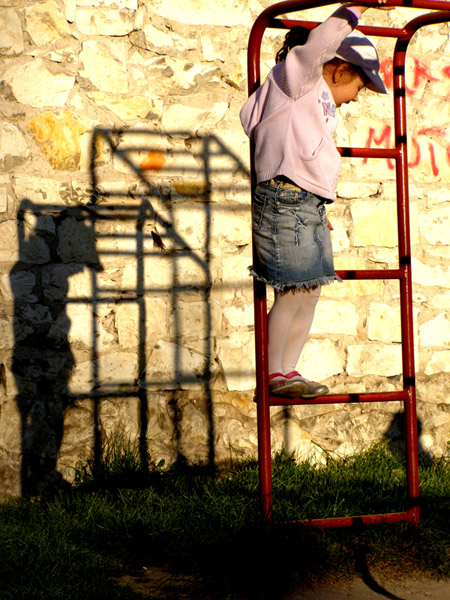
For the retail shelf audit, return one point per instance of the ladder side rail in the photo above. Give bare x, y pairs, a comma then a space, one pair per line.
260, 315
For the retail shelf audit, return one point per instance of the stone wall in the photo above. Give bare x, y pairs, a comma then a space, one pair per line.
126, 303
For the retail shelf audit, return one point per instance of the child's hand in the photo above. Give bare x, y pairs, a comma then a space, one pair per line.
383, 5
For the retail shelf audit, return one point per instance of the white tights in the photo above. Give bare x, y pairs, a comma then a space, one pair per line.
289, 323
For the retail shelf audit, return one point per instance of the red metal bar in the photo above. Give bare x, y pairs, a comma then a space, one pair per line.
387, 518
400, 395
399, 153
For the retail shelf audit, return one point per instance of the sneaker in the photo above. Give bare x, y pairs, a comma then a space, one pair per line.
312, 388
288, 386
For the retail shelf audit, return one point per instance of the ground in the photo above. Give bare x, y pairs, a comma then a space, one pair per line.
161, 583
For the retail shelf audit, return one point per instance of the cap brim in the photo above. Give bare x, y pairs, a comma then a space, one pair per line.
376, 83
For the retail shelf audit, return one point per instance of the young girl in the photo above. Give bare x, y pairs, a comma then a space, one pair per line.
291, 119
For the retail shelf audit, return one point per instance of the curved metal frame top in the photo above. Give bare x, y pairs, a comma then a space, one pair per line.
267, 19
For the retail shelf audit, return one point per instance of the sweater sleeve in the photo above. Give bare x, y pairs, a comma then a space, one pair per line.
303, 65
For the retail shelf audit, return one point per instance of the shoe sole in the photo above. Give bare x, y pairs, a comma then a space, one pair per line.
294, 390
315, 395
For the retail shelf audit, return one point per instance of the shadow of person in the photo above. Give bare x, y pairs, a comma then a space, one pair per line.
395, 436
53, 245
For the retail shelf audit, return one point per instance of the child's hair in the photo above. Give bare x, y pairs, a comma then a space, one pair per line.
298, 36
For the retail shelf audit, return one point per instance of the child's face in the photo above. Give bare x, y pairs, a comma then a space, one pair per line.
347, 91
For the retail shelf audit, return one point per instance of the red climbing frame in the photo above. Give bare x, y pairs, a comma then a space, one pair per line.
268, 19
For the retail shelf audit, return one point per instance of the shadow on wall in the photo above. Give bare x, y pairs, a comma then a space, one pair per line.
141, 249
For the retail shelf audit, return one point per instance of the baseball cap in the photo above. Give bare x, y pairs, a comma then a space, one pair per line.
358, 50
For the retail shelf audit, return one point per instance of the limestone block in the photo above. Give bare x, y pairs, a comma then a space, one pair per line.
231, 227
127, 108
237, 356
356, 190
78, 437
11, 43
190, 226
335, 317
167, 41
239, 316
339, 236
428, 275
80, 284
375, 223
37, 193
34, 84
131, 4
434, 225
104, 64
45, 23
6, 335
22, 285
384, 323
77, 243
55, 281
187, 76
192, 319
374, 359
439, 363
161, 429
440, 299
83, 379
202, 12
81, 324
437, 196
128, 325
9, 252
3, 200
191, 120
235, 271
157, 319
193, 428
58, 136
119, 419
105, 20
191, 270
210, 51
13, 147
150, 156
117, 369
320, 359
172, 366
158, 273
435, 332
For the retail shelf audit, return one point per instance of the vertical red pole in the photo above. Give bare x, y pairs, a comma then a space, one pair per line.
260, 311
404, 235
262, 402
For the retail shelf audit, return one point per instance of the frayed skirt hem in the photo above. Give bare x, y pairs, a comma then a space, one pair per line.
286, 285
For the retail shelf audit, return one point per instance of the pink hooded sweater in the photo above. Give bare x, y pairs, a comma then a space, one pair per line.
292, 116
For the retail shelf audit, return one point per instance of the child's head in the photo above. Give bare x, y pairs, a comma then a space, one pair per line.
354, 67
359, 51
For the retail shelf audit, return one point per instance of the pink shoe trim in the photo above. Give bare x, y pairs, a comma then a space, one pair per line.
273, 375
292, 374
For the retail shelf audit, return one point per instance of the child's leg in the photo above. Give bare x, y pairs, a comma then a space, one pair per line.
300, 328
289, 323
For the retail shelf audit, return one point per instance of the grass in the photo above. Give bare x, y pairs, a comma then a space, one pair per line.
126, 516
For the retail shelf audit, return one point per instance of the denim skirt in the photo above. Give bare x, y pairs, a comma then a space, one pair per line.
291, 237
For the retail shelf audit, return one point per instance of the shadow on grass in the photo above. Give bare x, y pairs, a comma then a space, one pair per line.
185, 532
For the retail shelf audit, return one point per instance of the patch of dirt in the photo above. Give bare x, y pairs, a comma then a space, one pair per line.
379, 588
162, 583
